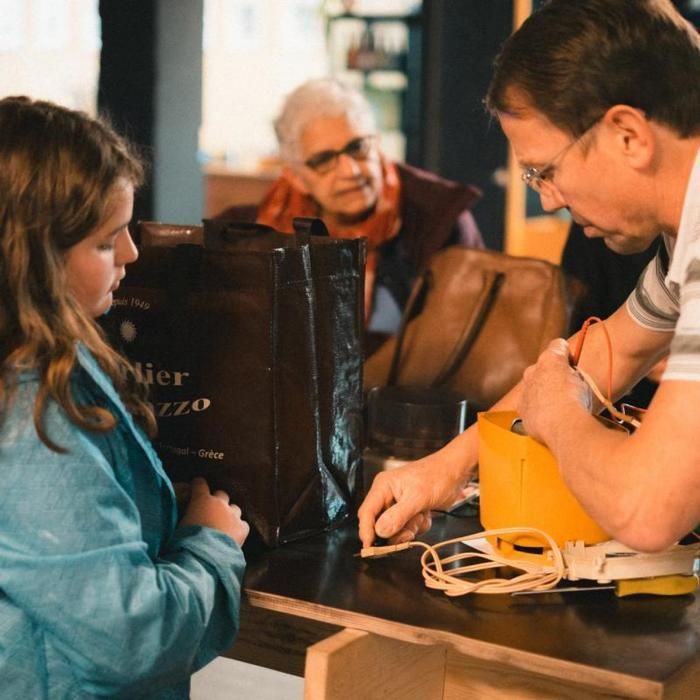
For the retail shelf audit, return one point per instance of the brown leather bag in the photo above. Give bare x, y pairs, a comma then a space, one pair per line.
484, 317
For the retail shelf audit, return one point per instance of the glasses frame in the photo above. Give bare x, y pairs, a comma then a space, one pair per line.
540, 178
326, 161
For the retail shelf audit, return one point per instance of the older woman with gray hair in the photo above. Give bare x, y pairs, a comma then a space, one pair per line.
334, 169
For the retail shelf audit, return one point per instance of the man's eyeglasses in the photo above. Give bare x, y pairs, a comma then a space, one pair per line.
325, 161
541, 178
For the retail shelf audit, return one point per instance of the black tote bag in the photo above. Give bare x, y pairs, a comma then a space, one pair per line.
251, 346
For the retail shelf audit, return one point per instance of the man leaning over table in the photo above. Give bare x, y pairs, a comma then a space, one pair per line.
600, 100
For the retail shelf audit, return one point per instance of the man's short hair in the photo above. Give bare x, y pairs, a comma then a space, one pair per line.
321, 97
572, 61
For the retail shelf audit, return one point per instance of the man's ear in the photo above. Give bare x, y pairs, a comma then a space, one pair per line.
631, 135
295, 179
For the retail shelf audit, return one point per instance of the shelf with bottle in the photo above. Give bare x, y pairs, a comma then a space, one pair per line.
374, 52
376, 46
380, 80
370, 43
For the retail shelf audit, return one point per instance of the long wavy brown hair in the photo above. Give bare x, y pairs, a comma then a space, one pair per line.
58, 168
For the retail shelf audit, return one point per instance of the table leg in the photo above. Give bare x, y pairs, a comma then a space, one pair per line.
355, 665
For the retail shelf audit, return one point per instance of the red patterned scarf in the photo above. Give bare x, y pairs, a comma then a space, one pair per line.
285, 201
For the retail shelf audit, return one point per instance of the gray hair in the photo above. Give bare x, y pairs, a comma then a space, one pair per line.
321, 97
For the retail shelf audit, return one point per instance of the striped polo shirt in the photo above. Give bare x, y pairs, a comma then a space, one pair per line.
667, 295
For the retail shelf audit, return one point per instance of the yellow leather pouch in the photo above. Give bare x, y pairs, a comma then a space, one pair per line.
521, 487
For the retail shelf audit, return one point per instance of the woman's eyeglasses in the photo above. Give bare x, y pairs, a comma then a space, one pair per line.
324, 161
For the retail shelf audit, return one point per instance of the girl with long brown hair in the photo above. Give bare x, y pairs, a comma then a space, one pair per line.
102, 591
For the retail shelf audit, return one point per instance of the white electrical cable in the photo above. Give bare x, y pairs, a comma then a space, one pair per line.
445, 575
612, 409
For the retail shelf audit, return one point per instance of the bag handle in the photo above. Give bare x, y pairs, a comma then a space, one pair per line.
492, 283
419, 286
218, 232
309, 226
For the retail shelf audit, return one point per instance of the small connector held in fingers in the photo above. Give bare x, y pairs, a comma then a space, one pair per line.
383, 551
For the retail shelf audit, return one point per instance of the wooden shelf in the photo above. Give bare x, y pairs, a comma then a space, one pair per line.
225, 188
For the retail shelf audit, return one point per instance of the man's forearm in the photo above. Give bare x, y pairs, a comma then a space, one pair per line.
460, 456
635, 349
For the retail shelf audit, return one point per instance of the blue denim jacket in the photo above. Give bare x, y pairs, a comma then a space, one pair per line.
101, 595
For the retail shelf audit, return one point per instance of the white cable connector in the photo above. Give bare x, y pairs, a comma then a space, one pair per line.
448, 576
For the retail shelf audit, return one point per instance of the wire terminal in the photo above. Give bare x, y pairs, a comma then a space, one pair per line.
383, 551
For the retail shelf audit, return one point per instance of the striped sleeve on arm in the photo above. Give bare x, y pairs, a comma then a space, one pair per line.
653, 304
684, 360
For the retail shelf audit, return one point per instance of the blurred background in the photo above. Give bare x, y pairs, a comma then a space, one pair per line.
197, 83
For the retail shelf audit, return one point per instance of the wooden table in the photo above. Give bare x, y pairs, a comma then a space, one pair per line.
373, 630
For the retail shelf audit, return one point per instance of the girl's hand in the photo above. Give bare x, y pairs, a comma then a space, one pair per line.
214, 510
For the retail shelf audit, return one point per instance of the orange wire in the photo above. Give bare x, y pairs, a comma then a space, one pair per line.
579, 348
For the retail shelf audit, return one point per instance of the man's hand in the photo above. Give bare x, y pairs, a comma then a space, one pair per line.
549, 388
213, 510
398, 505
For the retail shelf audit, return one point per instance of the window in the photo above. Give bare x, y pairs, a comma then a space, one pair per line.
50, 49
254, 53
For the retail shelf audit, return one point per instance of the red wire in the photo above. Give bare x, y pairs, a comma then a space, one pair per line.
579, 348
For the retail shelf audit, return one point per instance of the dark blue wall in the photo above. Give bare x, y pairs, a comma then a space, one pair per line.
461, 142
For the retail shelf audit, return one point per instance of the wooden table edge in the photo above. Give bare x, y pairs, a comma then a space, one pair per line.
529, 662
